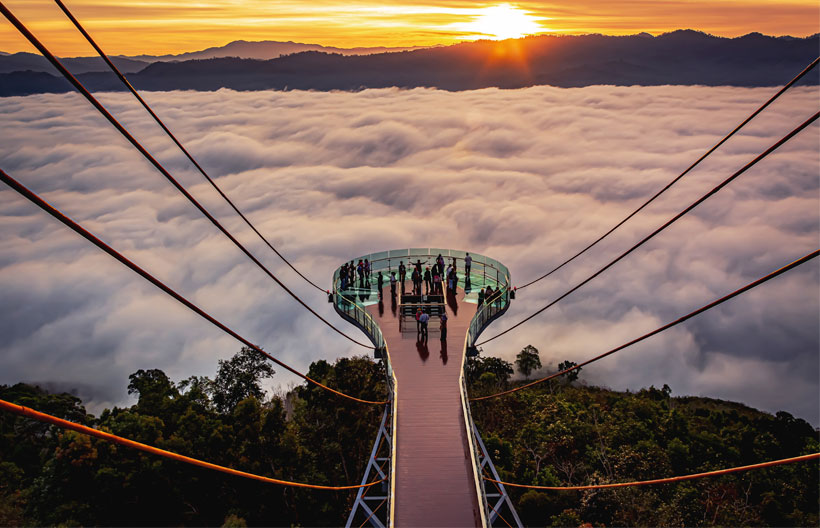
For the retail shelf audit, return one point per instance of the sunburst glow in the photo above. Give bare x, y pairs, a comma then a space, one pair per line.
501, 22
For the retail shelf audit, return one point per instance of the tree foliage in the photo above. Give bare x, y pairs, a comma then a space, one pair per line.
52, 477
582, 435
528, 360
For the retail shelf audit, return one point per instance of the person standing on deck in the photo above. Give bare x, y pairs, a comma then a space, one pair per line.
418, 322
424, 319
367, 272
402, 274
393, 284
343, 276
427, 279
360, 271
480, 298
468, 263
380, 279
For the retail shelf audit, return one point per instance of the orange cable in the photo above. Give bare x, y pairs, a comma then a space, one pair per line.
802, 458
723, 299
65, 424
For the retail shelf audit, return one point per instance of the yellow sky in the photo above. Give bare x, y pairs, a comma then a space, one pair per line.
131, 27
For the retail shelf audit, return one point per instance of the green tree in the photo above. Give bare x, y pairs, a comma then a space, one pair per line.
238, 378
571, 375
476, 367
527, 360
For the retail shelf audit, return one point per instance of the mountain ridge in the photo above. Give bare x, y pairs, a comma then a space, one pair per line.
681, 57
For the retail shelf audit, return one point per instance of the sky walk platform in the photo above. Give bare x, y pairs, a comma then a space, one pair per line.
427, 449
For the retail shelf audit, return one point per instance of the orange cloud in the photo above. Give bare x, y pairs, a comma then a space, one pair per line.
132, 27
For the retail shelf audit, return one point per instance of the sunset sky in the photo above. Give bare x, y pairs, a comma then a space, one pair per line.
131, 27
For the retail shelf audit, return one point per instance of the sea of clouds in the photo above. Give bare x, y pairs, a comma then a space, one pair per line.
526, 176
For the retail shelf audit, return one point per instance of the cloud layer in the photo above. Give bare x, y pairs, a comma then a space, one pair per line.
526, 176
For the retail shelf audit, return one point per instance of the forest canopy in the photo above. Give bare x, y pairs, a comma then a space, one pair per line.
558, 433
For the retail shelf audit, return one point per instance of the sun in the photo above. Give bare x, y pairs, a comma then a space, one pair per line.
503, 21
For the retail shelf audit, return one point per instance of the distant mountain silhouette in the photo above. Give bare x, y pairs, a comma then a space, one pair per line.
683, 57
16, 62
264, 50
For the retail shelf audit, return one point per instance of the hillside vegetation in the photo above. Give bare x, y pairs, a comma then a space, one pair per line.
565, 434
555, 434
52, 477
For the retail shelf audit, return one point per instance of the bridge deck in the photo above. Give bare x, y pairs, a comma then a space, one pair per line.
434, 475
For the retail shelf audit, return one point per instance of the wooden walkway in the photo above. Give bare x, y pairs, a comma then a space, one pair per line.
434, 475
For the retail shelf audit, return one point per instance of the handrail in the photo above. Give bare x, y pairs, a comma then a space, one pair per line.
486, 313
364, 320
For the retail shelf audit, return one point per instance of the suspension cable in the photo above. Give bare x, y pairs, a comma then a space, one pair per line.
145, 105
681, 478
667, 326
82, 89
699, 201
684, 173
108, 437
74, 226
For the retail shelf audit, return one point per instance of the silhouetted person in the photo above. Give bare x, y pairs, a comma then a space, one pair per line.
367, 272
481, 297
393, 285
360, 271
468, 263
427, 279
402, 274
416, 278
424, 319
380, 281
418, 322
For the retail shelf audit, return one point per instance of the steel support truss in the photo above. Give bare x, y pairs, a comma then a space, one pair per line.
498, 501
372, 504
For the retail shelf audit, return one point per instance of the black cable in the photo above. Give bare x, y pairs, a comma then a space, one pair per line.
82, 89
684, 173
667, 224
77, 228
667, 326
128, 85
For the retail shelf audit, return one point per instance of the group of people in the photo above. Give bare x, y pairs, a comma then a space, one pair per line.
348, 274
435, 280
488, 295
423, 320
